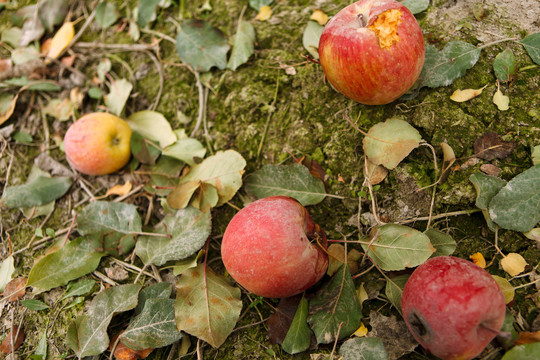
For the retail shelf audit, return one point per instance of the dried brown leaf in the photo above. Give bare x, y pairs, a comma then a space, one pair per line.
280, 321
527, 337
394, 334
122, 352
490, 169
490, 146
13, 340
15, 289
120, 189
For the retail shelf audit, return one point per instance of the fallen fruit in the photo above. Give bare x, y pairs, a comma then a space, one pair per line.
273, 248
372, 51
453, 307
98, 144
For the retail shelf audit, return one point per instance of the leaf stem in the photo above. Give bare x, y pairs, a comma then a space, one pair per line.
499, 41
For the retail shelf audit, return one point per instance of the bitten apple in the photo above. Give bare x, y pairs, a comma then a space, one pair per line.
272, 247
372, 51
453, 307
98, 144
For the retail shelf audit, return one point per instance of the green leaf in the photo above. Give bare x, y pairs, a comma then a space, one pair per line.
396, 247
223, 171
523, 352
207, 309
75, 259
535, 154
187, 150
201, 46
41, 349
164, 174
108, 216
106, 14
486, 188
152, 125
243, 45
188, 230
7, 268
298, 337
390, 142
504, 65
442, 242
35, 211
310, 38
162, 290
366, 348
144, 150
33, 304
394, 289
416, 6
52, 12
95, 93
441, 68
257, 4
119, 91
81, 287
532, 45
147, 11
87, 335
11, 36
290, 180
22, 137
517, 205
40, 191
154, 327
335, 308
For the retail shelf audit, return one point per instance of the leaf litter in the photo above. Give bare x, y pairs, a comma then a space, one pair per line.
161, 174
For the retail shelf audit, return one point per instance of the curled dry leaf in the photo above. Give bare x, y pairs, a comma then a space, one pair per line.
336, 258
466, 95
502, 101
478, 259
490, 169
265, 12
373, 173
122, 352
514, 264
490, 146
362, 331
7, 106
527, 337
13, 340
449, 158
61, 40
120, 189
319, 16
15, 289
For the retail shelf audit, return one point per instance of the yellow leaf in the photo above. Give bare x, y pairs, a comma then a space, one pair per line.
61, 40
466, 95
502, 101
319, 16
533, 234
120, 189
362, 294
362, 331
506, 288
336, 258
264, 13
9, 109
478, 259
513, 264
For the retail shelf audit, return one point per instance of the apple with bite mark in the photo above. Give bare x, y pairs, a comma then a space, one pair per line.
98, 144
272, 248
372, 51
453, 307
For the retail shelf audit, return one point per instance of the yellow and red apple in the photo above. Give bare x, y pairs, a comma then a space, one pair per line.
372, 51
98, 144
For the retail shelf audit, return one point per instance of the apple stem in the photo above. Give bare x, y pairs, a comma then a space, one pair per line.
361, 20
496, 332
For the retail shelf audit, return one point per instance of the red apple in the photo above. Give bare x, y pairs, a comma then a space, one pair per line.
453, 307
98, 144
372, 51
272, 247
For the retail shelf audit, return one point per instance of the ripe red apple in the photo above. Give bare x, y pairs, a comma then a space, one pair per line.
98, 144
372, 51
453, 307
272, 247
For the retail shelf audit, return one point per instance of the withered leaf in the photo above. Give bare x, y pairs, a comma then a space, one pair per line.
490, 146
13, 340
122, 352
15, 289
280, 321
393, 332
